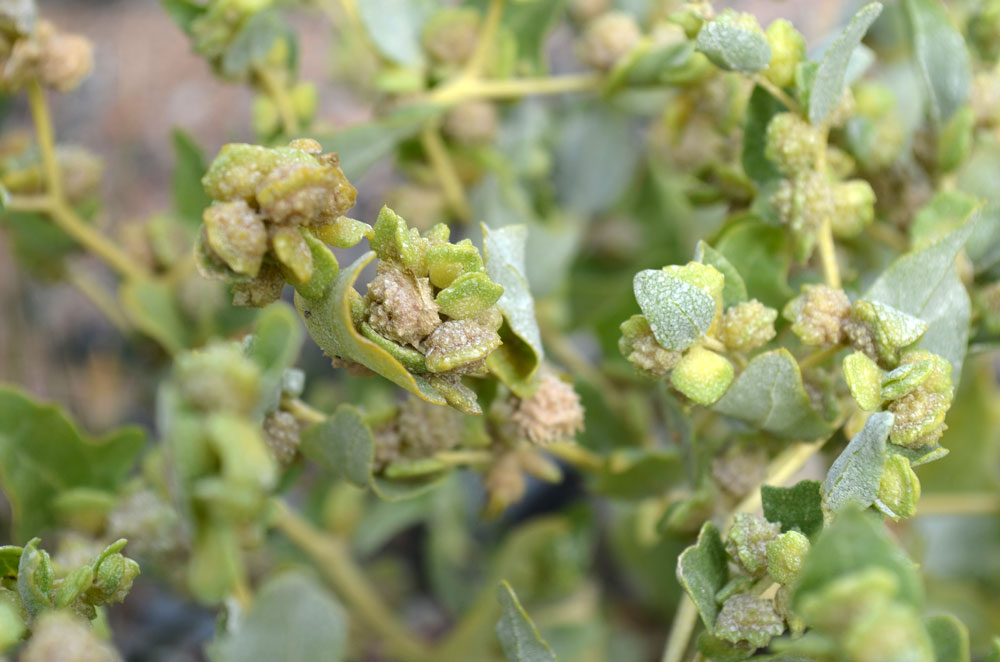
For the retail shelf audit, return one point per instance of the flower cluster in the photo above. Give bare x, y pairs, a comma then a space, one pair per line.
34, 49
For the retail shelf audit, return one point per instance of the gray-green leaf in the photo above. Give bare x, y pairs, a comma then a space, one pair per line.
519, 638
702, 570
797, 507
828, 86
769, 395
294, 619
941, 54
678, 312
854, 476
394, 26
735, 289
735, 42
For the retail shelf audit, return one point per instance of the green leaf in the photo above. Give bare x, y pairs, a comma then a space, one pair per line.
797, 507
519, 638
678, 312
35, 578
362, 145
515, 362
633, 473
758, 251
294, 619
941, 54
950, 638
253, 44
702, 570
37, 243
190, 199
150, 307
828, 85
10, 557
395, 27
760, 109
994, 653
184, 12
42, 454
856, 540
274, 346
735, 289
925, 284
344, 445
854, 476
769, 395
531, 23
735, 42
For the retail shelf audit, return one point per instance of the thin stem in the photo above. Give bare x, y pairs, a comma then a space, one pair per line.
820, 356
680, 631
827, 254
485, 41
461, 458
46, 138
70, 222
444, 170
778, 94
465, 90
275, 89
302, 411
577, 455
959, 504
94, 292
334, 560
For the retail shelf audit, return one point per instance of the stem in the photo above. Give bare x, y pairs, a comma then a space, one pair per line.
444, 170
46, 138
279, 95
70, 222
819, 356
485, 40
959, 504
577, 455
302, 411
333, 558
91, 290
778, 94
680, 632
831, 273
461, 458
465, 89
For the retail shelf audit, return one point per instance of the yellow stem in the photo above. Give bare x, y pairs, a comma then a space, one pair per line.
959, 504
334, 560
46, 138
444, 170
577, 455
94, 292
680, 631
819, 356
302, 411
70, 222
485, 41
465, 89
827, 254
461, 458
275, 89
778, 94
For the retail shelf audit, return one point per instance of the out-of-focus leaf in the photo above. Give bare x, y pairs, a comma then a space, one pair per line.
941, 54
519, 638
362, 145
797, 507
945, 213
925, 284
637, 474
150, 307
43, 454
735, 289
531, 23
184, 12
758, 252
596, 154
190, 199
702, 570
37, 243
678, 312
734, 43
516, 361
395, 26
856, 540
10, 557
828, 85
950, 638
760, 109
274, 346
769, 395
293, 618
994, 653
252, 45
344, 445
853, 479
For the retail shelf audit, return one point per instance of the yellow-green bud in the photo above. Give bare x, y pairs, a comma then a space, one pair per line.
264, 116
748, 540
748, 325
919, 418
702, 375
113, 579
818, 314
792, 143
746, 618
472, 123
864, 379
853, 208
304, 100
451, 34
703, 276
12, 628
788, 48
608, 38
785, 556
899, 488
640, 347
803, 203
236, 234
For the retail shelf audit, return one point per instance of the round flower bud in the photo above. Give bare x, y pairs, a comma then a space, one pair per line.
702, 375
894, 632
899, 488
113, 579
61, 636
803, 203
748, 325
745, 618
281, 432
66, 60
788, 48
472, 123
853, 208
236, 234
747, 542
881, 331
552, 413
785, 556
218, 378
818, 314
919, 418
792, 143
451, 34
608, 38
426, 428
642, 350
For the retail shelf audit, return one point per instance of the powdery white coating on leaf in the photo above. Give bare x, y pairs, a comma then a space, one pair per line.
854, 476
828, 86
679, 313
505, 265
745, 617
735, 41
